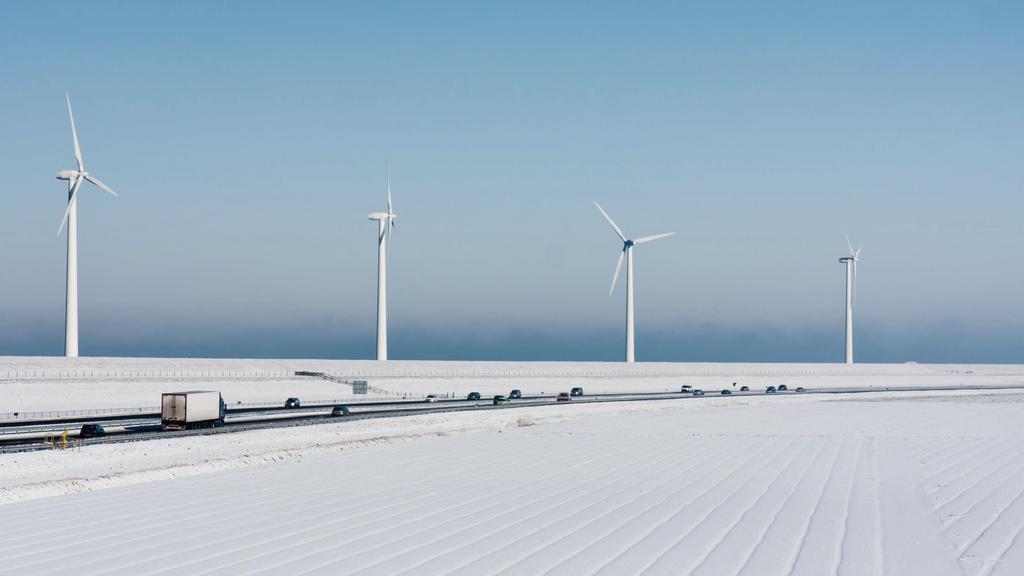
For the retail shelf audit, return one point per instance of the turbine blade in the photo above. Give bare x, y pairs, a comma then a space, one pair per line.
387, 175
74, 135
647, 239
67, 212
618, 267
848, 244
103, 186
856, 255
609, 219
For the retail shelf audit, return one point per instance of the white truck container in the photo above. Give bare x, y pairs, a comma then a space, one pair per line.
197, 409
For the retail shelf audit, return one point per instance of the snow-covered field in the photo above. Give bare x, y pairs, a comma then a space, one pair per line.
41, 384
896, 483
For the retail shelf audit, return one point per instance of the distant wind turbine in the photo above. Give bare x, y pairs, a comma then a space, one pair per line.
74, 178
385, 226
851, 288
627, 253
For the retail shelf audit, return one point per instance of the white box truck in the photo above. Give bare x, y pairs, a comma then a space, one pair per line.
181, 410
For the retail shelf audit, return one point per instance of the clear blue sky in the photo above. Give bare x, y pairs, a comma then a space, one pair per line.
247, 141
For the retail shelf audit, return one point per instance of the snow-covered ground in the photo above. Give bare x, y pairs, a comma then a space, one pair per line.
30, 384
896, 483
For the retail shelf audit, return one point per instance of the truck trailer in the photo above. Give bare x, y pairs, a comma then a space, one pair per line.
197, 409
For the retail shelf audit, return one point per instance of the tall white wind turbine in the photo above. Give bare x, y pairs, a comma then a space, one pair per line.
74, 178
627, 253
851, 288
385, 226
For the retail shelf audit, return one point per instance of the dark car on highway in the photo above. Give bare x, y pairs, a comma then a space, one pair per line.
499, 400
783, 388
726, 392
292, 403
340, 411
769, 390
698, 392
744, 388
515, 394
91, 431
801, 389
563, 397
686, 389
473, 396
576, 392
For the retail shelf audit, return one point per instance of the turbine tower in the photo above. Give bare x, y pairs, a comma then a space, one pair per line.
627, 253
385, 225
74, 178
851, 287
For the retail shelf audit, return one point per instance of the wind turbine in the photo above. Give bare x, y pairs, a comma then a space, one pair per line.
851, 287
385, 226
74, 178
627, 253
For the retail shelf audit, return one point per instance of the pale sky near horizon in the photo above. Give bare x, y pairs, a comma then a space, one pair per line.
247, 141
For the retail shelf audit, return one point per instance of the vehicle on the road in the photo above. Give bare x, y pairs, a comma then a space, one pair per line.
91, 431
783, 388
196, 409
515, 394
576, 392
473, 396
340, 411
744, 388
686, 388
801, 389
698, 392
727, 392
292, 403
563, 397
499, 400
769, 390
430, 398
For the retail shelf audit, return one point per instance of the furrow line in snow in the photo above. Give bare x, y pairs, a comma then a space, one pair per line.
475, 537
846, 515
558, 546
373, 520
805, 529
415, 524
721, 536
715, 502
606, 540
803, 478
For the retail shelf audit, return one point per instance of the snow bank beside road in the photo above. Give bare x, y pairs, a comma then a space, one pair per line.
41, 384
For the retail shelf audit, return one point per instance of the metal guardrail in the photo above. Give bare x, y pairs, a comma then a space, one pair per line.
352, 383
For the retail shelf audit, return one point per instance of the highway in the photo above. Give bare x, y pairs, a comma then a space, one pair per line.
35, 435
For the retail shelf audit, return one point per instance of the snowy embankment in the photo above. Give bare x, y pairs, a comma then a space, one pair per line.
900, 483
39, 384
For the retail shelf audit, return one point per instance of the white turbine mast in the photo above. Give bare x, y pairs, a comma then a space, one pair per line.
74, 178
385, 227
627, 253
851, 291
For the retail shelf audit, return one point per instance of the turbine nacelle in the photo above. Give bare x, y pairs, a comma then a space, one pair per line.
70, 174
381, 216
